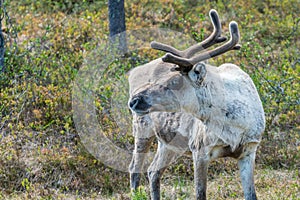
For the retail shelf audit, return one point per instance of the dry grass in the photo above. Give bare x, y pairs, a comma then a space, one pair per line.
270, 185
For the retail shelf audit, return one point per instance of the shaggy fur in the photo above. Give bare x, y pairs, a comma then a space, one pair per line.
229, 116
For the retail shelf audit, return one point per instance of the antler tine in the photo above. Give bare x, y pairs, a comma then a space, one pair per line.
186, 64
214, 38
166, 48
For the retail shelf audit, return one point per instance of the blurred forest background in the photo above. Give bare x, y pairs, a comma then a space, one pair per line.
41, 155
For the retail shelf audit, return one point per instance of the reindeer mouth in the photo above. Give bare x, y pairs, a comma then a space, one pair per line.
141, 112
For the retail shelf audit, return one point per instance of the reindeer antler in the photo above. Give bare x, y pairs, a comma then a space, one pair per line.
186, 64
214, 38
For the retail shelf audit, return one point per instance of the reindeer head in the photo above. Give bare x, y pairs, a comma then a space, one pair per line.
169, 83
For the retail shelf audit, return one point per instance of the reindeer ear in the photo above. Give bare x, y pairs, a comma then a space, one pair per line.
198, 73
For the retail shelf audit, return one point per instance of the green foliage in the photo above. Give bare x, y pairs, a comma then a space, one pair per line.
66, 6
139, 194
41, 152
26, 184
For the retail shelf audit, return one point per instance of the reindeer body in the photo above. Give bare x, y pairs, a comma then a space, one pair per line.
227, 121
223, 99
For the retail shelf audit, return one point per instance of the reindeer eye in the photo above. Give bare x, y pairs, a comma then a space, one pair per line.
175, 83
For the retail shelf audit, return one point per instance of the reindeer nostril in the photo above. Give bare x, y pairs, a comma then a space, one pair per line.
134, 102
139, 104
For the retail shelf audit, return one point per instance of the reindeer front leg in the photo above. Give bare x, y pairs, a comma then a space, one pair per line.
162, 159
200, 174
246, 166
141, 147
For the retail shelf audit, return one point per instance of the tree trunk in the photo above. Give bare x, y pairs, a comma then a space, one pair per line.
117, 25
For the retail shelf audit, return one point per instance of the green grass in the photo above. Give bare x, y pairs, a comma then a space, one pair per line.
41, 154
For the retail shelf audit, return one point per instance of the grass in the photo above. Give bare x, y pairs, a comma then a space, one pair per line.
225, 185
41, 153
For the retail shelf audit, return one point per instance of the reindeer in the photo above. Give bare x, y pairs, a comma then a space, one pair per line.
224, 99
168, 127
